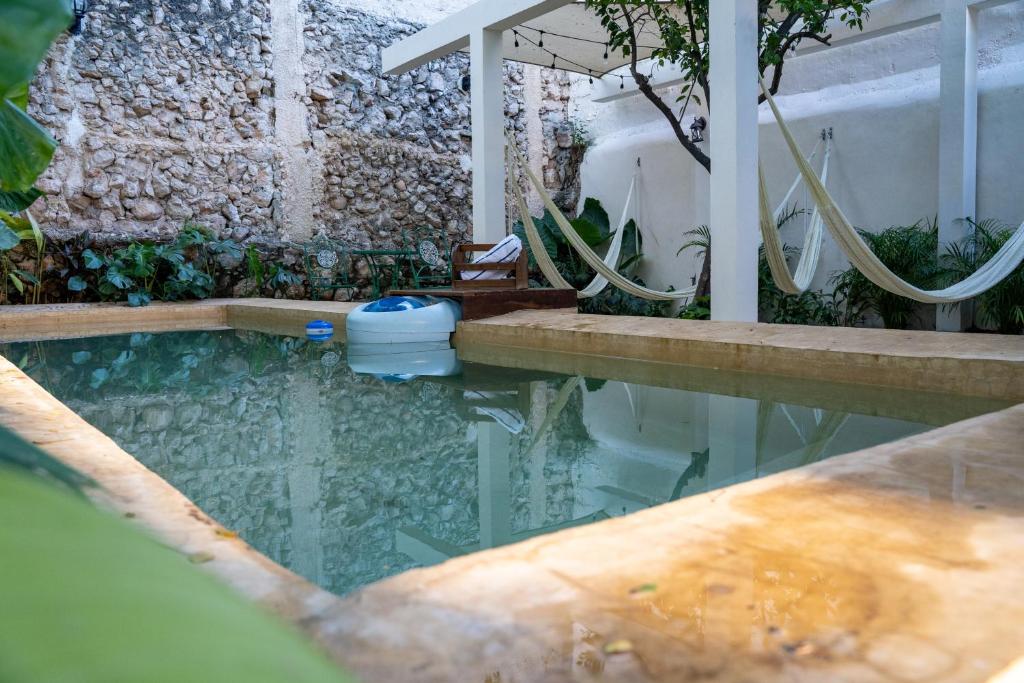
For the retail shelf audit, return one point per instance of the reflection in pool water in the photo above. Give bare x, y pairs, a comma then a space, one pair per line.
348, 478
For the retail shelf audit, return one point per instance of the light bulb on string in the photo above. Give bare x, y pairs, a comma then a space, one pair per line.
541, 43
622, 83
553, 58
590, 73
516, 34
606, 53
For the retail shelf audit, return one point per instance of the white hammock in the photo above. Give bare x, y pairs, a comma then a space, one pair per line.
774, 249
547, 266
1005, 261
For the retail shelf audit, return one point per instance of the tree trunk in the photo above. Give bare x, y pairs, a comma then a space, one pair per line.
704, 281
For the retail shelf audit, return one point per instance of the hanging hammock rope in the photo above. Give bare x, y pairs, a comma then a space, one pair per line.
547, 265
1005, 261
591, 257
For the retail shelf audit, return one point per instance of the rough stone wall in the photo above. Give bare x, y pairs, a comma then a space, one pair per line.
170, 112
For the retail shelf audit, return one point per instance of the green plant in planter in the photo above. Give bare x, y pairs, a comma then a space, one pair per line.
910, 251
1001, 307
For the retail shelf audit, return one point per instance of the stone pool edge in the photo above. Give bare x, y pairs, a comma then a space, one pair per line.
131, 489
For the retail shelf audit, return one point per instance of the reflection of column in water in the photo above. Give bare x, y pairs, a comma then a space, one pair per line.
732, 438
493, 445
306, 437
538, 455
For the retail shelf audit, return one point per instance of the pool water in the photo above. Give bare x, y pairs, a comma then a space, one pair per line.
347, 478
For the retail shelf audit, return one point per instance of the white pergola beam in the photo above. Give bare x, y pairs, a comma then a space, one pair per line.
958, 138
453, 32
733, 36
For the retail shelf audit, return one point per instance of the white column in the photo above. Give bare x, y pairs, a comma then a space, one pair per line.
733, 37
958, 137
487, 94
495, 496
732, 438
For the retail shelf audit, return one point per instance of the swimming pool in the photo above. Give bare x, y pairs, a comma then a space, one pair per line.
347, 478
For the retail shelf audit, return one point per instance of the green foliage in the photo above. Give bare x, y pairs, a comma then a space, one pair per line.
911, 252
27, 27
1001, 307
143, 271
698, 309
683, 28
87, 597
278, 277
15, 229
808, 308
594, 226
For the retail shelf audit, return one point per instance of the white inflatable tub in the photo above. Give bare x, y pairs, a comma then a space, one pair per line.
402, 362
403, 320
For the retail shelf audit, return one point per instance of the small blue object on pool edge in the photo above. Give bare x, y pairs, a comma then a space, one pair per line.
319, 330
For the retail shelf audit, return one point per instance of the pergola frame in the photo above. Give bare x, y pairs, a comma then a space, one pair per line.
734, 132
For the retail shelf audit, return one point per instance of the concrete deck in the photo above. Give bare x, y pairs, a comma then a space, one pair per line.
899, 563
988, 365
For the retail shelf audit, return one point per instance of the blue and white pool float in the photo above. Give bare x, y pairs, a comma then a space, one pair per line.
403, 320
319, 330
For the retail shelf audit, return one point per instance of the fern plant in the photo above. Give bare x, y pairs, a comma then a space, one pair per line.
911, 252
1002, 307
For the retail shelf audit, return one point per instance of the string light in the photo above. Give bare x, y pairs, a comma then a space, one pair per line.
622, 83
581, 68
590, 74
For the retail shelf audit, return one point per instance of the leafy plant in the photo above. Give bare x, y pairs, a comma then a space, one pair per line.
1001, 307
27, 27
143, 271
698, 309
277, 278
910, 251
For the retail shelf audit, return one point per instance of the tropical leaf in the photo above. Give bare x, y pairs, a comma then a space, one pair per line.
74, 575
595, 214
15, 452
8, 238
27, 27
25, 146
18, 201
77, 284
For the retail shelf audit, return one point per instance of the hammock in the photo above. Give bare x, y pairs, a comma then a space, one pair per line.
547, 265
1005, 261
774, 250
608, 273
591, 257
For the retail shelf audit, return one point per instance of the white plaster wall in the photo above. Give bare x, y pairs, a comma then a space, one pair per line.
880, 95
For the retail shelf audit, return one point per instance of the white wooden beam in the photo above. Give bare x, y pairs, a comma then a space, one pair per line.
733, 36
487, 95
958, 138
453, 33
